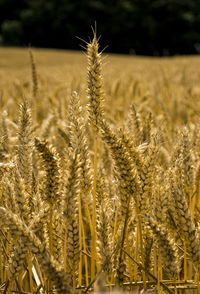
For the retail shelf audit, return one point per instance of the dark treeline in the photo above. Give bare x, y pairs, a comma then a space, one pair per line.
146, 27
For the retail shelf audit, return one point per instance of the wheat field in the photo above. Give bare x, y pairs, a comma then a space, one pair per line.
100, 172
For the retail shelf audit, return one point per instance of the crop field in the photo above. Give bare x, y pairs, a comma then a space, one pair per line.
99, 171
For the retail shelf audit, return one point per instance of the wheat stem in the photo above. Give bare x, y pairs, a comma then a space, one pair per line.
141, 241
80, 241
136, 253
51, 229
30, 273
7, 254
185, 262
88, 213
93, 250
85, 257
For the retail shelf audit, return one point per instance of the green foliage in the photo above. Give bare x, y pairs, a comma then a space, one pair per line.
11, 32
153, 27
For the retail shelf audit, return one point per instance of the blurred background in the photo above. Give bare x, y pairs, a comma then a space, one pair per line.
142, 27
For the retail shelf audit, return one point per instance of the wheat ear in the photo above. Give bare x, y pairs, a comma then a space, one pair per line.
6, 141
34, 73
187, 228
166, 247
50, 160
51, 191
95, 92
134, 125
71, 209
51, 267
18, 255
79, 140
25, 147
